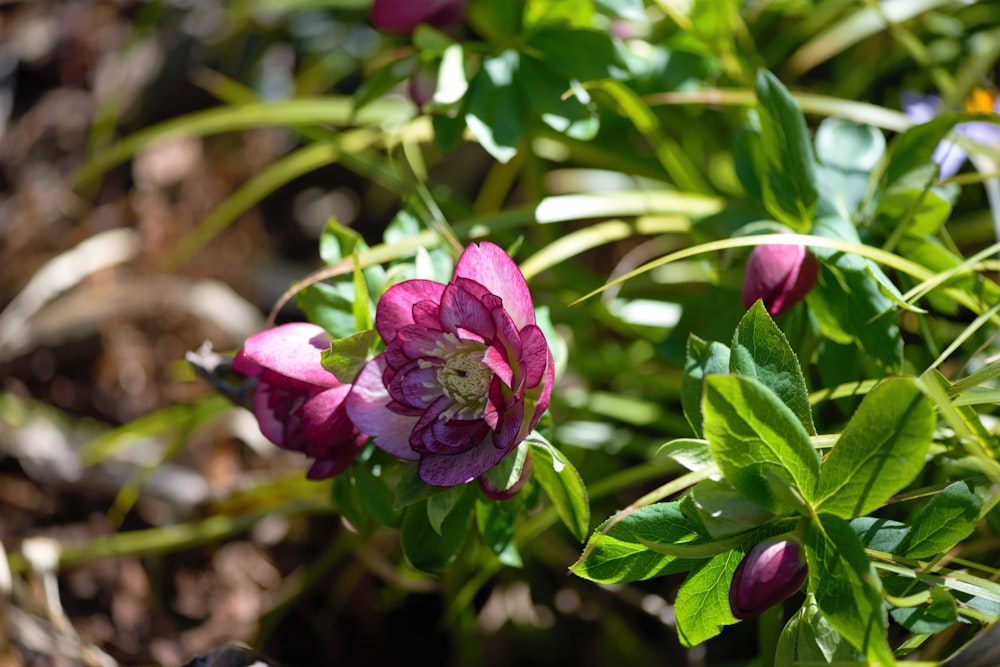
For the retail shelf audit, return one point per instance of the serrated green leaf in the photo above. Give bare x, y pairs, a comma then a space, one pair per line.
784, 158
703, 359
760, 350
702, 604
615, 554
346, 356
846, 587
946, 520
880, 451
562, 484
750, 430
431, 550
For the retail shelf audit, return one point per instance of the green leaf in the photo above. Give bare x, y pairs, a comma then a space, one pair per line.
508, 472
329, 306
784, 158
441, 505
496, 522
848, 301
562, 484
847, 589
361, 308
809, 638
761, 351
578, 54
703, 359
880, 534
544, 91
431, 550
946, 520
411, 489
723, 510
632, 10
495, 110
346, 356
616, 553
914, 147
375, 497
848, 146
750, 431
929, 618
569, 12
692, 454
880, 451
702, 604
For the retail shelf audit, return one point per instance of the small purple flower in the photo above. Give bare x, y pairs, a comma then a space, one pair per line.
780, 275
466, 373
770, 572
298, 404
403, 16
949, 155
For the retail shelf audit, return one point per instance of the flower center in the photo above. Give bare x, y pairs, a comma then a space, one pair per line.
980, 101
465, 378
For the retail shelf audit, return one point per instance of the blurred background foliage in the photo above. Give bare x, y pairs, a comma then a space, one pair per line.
169, 168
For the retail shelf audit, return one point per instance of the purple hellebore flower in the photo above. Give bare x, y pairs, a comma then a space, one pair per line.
780, 275
299, 405
770, 572
403, 16
466, 373
949, 155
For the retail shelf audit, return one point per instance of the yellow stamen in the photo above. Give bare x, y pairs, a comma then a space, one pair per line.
981, 100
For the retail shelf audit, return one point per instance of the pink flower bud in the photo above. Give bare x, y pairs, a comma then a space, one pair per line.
299, 405
779, 275
403, 16
770, 572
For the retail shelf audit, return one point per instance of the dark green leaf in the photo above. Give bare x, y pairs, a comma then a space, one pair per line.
750, 431
616, 553
848, 300
915, 147
441, 505
329, 306
785, 162
947, 519
495, 110
562, 484
508, 472
880, 452
761, 351
703, 358
412, 489
544, 91
846, 587
375, 496
577, 54
496, 521
426, 548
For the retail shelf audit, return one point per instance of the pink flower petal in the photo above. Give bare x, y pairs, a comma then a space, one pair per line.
491, 267
293, 350
324, 420
367, 407
534, 355
460, 309
395, 308
454, 469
